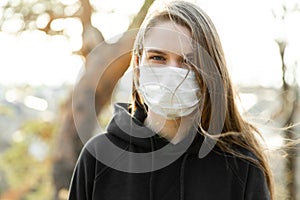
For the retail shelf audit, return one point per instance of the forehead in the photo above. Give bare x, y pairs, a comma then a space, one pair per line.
169, 36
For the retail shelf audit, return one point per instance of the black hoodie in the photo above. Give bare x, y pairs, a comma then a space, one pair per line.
217, 176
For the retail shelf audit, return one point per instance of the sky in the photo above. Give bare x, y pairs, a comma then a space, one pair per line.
247, 30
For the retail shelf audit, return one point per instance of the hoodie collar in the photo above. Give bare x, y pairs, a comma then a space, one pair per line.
132, 130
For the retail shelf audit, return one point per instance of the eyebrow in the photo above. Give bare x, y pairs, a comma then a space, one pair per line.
155, 51
188, 55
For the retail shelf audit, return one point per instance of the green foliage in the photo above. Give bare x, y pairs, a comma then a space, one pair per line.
16, 163
23, 170
6, 111
42, 130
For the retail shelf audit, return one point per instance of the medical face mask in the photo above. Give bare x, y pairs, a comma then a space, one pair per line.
169, 91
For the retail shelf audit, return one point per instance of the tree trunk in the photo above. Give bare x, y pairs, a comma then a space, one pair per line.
104, 66
289, 107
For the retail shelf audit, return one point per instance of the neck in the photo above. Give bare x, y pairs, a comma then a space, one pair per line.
173, 130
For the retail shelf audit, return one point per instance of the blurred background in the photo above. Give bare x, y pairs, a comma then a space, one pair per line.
46, 51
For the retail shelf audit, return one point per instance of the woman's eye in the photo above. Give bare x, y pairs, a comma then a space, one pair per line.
157, 58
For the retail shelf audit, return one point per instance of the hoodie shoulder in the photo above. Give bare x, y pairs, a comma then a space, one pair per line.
255, 184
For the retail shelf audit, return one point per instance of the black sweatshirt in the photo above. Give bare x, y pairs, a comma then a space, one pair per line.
217, 176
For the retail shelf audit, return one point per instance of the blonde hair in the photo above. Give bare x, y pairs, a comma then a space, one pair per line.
212, 75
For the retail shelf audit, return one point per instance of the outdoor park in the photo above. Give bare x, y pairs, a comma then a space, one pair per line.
54, 50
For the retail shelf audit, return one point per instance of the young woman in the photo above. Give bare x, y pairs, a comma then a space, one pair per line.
182, 137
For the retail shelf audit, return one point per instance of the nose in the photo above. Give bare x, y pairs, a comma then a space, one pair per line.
175, 61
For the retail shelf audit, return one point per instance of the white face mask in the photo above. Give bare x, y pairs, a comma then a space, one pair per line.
169, 91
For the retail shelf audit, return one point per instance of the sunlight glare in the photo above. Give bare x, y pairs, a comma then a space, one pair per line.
68, 2
72, 26
13, 24
112, 19
3, 3
72, 9
38, 149
57, 25
39, 8
36, 103
36, 58
42, 20
14, 3
18, 136
247, 100
11, 96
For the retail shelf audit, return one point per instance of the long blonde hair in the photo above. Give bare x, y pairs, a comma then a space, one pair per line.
213, 77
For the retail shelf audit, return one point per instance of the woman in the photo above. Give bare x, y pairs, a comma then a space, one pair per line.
182, 137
